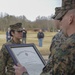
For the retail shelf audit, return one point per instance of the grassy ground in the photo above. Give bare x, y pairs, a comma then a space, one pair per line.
32, 38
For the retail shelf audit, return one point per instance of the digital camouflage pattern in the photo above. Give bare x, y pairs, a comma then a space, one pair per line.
57, 10
56, 40
62, 59
66, 5
16, 27
6, 62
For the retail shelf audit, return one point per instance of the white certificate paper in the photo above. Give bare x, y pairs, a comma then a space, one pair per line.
28, 57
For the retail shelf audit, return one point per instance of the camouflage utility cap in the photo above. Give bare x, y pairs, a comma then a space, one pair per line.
57, 10
16, 27
66, 6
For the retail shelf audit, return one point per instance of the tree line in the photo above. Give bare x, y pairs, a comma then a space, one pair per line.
45, 23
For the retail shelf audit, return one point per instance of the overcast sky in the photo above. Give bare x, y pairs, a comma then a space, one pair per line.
29, 8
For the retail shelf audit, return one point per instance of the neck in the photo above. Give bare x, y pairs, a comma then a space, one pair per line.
71, 31
16, 40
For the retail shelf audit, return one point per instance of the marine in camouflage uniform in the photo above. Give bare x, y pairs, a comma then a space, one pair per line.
6, 62
56, 40
62, 58
59, 37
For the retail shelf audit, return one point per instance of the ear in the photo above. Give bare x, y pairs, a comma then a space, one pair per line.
71, 17
12, 33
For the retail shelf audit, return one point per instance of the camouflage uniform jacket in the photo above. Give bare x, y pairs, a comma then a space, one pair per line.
6, 62
56, 40
62, 59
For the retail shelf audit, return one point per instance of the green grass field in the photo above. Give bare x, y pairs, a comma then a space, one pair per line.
32, 38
